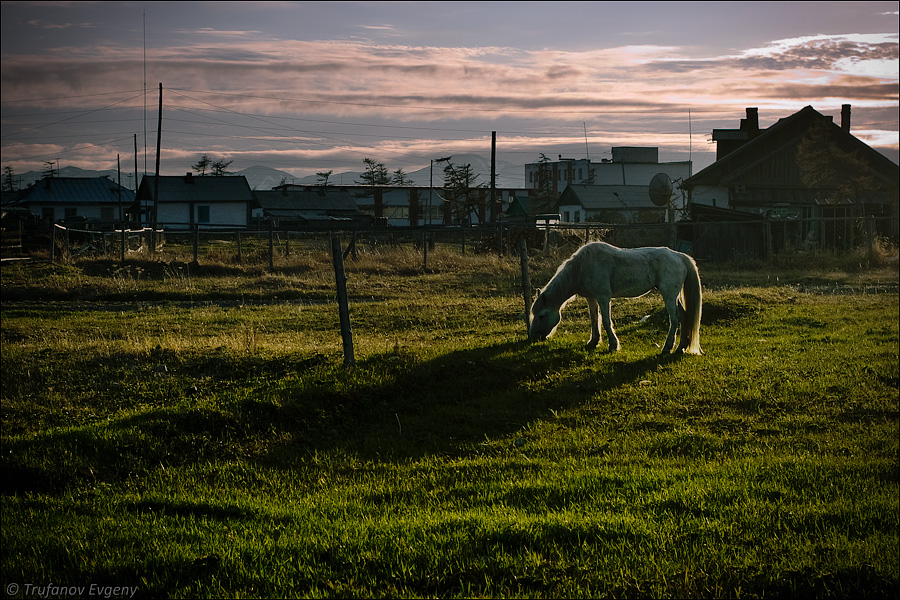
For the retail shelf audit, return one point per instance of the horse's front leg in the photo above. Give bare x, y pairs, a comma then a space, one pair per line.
594, 310
608, 324
675, 311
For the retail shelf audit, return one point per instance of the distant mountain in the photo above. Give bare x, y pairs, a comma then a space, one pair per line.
265, 178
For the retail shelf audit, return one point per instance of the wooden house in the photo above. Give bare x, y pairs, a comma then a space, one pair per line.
757, 171
289, 207
188, 201
87, 202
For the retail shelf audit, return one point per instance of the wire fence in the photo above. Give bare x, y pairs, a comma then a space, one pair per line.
725, 242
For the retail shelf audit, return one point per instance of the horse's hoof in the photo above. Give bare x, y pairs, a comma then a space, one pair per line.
590, 346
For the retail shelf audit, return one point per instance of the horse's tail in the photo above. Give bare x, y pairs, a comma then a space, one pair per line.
693, 307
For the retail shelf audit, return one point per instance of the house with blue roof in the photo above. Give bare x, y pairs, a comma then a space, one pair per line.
90, 202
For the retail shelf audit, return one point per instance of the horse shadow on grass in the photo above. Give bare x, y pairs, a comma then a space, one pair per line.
390, 405
448, 404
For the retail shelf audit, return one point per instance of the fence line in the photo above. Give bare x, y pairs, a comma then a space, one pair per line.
722, 241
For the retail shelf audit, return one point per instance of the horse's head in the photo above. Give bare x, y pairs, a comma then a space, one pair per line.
544, 320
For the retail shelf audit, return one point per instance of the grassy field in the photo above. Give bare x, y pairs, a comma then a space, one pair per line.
175, 430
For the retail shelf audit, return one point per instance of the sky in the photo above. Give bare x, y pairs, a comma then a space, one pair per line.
309, 87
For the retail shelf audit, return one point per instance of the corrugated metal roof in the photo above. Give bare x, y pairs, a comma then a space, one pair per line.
77, 190
183, 188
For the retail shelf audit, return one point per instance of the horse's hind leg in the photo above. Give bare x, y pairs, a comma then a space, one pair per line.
594, 310
608, 325
675, 310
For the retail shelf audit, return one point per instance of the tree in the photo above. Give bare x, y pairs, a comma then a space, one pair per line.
545, 181
375, 174
220, 168
202, 165
9, 179
49, 170
215, 167
400, 178
460, 190
323, 177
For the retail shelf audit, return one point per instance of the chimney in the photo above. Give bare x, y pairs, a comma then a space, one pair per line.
189, 177
751, 123
845, 118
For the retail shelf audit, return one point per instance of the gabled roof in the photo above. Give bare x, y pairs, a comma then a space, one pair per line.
327, 200
785, 135
607, 197
76, 190
526, 206
187, 188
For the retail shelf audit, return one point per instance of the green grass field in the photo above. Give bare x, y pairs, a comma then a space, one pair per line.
191, 431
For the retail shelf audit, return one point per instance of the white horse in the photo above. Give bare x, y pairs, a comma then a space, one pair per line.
600, 272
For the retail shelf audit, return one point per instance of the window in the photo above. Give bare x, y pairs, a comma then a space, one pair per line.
203, 214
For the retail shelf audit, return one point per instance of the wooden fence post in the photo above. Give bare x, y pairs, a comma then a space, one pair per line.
271, 245
424, 249
870, 238
526, 281
124, 241
240, 253
52, 243
196, 242
343, 304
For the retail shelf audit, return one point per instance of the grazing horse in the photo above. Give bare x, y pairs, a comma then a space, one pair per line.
600, 272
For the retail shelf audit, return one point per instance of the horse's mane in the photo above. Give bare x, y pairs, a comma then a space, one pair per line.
563, 281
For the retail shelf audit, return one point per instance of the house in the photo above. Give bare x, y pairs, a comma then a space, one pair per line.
188, 201
529, 207
88, 202
308, 208
609, 204
757, 171
629, 165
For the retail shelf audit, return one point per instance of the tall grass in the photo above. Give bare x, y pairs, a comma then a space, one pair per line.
209, 442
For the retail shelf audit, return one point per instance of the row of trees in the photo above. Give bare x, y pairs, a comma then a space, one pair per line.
460, 191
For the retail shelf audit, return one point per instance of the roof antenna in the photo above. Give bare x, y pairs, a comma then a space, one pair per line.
586, 151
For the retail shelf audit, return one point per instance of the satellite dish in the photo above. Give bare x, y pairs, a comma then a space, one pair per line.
660, 189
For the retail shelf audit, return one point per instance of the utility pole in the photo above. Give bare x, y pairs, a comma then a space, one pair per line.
494, 208
156, 179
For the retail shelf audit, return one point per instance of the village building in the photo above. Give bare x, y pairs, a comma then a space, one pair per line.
320, 207
614, 204
186, 202
84, 202
760, 172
